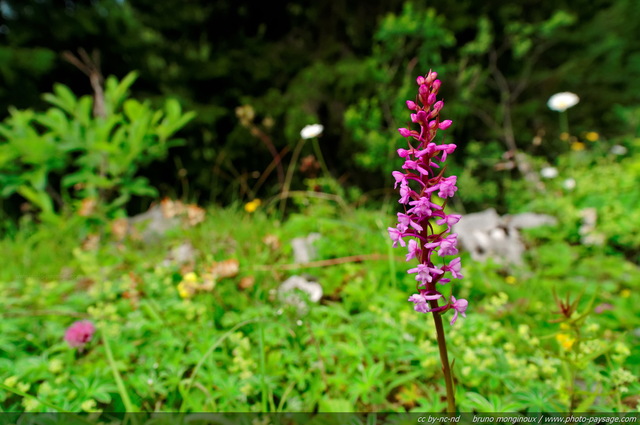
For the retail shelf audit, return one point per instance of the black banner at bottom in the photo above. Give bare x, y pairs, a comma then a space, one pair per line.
313, 418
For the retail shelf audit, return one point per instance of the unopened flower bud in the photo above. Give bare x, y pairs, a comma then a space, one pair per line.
403, 153
412, 105
436, 86
420, 80
444, 124
431, 99
404, 132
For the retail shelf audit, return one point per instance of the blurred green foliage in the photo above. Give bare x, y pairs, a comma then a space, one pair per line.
347, 65
604, 178
239, 347
67, 156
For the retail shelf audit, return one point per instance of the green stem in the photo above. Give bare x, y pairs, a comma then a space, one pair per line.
287, 181
564, 122
444, 358
574, 370
263, 384
392, 265
116, 376
323, 164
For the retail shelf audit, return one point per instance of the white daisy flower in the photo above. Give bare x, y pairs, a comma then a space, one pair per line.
562, 101
310, 131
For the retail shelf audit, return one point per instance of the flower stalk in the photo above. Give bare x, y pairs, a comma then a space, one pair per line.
444, 359
308, 132
424, 228
560, 102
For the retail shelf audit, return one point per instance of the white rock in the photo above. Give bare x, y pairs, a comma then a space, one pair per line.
303, 249
487, 235
287, 292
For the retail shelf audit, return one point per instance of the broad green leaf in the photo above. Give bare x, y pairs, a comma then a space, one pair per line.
87, 177
55, 120
38, 178
119, 201
84, 111
116, 92
106, 147
63, 98
8, 154
119, 136
9, 185
105, 128
140, 186
40, 199
133, 109
170, 126
172, 107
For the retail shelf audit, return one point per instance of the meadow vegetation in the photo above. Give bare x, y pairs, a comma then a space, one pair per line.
189, 317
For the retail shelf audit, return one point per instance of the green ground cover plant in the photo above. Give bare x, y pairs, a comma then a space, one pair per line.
239, 348
103, 313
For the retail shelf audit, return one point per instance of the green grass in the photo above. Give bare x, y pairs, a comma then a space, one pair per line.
362, 348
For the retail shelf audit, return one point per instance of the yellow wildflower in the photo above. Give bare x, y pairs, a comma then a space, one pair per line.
566, 341
625, 293
183, 291
188, 286
190, 277
592, 136
510, 280
577, 146
252, 206
564, 136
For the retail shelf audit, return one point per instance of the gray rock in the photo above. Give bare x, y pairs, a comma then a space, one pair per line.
487, 235
152, 224
588, 233
182, 254
529, 220
290, 290
303, 249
